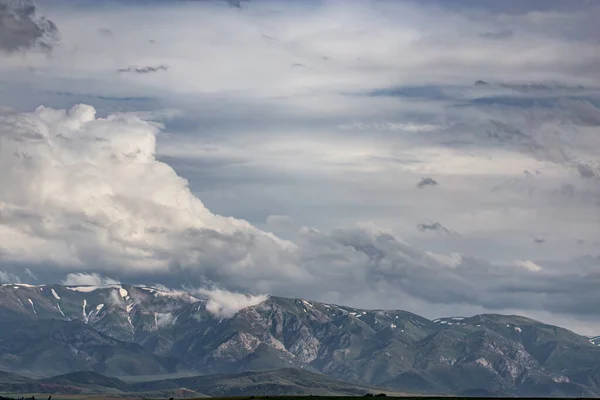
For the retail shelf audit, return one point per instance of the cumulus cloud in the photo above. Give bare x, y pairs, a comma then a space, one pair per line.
20, 29
85, 279
225, 304
84, 187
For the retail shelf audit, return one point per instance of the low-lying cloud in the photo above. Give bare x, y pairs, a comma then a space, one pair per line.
225, 304
87, 279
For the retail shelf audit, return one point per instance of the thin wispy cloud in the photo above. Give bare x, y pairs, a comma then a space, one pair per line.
144, 70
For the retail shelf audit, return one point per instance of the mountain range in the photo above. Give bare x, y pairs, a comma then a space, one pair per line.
168, 340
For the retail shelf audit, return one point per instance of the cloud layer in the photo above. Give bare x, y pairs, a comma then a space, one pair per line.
83, 279
83, 192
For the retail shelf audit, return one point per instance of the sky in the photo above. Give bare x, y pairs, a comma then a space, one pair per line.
435, 156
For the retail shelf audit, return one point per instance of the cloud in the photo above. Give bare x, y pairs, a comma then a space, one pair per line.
30, 274
427, 182
225, 304
434, 226
105, 32
529, 265
586, 171
86, 195
164, 319
235, 3
8, 277
144, 70
85, 279
21, 30
114, 298
109, 198
503, 34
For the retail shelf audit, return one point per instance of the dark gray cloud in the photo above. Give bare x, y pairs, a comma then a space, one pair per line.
435, 227
511, 7
144, 70
235, 3
586, 171
105, 32
499, 35
427, 182
543, 87
20, 29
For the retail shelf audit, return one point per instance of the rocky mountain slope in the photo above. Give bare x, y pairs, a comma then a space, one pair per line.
124, 330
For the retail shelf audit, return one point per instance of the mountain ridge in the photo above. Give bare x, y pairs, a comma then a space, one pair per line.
123, 330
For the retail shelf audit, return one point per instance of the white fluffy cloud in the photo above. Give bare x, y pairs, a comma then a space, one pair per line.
82, 188
83, 279
225, 304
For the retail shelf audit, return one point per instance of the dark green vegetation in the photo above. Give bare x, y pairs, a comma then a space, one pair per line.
280, 382
128, 331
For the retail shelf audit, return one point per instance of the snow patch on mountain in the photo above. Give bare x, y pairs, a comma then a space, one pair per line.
32, 306
85, 317
484, 363
89, 289
60, 310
